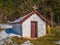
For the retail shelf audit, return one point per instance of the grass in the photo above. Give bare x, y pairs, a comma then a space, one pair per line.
46, 40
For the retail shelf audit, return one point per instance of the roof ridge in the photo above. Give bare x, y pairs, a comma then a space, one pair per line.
29, 14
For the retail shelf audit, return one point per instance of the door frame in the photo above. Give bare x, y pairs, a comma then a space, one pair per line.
35, 30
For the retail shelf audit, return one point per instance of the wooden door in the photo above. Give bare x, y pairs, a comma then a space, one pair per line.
33, 29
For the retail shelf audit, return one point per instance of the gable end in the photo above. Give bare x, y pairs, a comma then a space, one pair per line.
30, 14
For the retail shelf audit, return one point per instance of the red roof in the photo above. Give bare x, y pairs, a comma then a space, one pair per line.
30, 14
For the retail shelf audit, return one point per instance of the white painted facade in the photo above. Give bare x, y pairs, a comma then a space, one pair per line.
26, 26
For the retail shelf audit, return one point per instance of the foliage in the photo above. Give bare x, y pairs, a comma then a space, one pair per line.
12, 9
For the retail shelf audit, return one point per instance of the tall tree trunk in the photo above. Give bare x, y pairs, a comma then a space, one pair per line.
58, 19
51, 14
51, 18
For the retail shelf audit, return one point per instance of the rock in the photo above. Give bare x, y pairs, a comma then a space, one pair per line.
27, 43
57, 42
7, 41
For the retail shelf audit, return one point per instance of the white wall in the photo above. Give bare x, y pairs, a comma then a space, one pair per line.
26, 26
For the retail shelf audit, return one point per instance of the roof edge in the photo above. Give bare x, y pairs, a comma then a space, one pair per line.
30, 14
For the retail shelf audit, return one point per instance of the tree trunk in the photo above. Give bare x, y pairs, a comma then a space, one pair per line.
58, 19
51, 18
